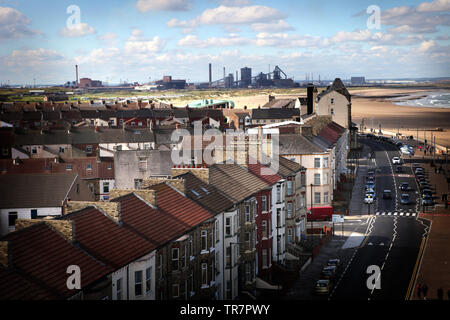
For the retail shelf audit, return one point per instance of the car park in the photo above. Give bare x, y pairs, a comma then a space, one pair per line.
329, 272
396, 160
323, 286
387, 194
405, 199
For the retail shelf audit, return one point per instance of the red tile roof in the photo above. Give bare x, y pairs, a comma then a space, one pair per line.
44, 255
264, 173
175, 215
106, 240
332, 132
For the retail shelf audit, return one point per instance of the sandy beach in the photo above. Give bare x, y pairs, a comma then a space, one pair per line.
406, 120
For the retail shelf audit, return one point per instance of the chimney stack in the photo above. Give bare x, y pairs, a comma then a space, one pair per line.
310, 98
210, 74
76, 72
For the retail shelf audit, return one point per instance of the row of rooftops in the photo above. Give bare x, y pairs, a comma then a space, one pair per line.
103, 237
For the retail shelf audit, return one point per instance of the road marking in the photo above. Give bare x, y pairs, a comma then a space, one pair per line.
407, 214
389, 213
369, 244
383, 213
401, 213
395, 213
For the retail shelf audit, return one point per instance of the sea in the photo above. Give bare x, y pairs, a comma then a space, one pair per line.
425, 99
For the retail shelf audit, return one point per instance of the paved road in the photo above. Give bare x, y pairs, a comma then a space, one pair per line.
393, 237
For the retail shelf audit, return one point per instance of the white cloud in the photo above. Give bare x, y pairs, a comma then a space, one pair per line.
137, 44
163, 5
277, 26
78, 30
35, 57
235, 3
434, 6
108, 38
231, 15
13, 24
426, 46
231, 40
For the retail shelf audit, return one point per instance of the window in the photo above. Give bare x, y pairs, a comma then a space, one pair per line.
247, 213
137, 283
204, 239
109, 167
88, 166
325, 162
204, 274
137, 183
228, 256
89, 149
316, 162
278, 218
216, 229
68, 167
119, 289
332, 111
289, 210
121, 122
105, 187
148, 279
302, 200
12, 217
248, 272
264, 203
34, 150
289, 235
278, 193
143, 165
191, 246
332, 100
175, 255
183, 257
61, 149
303, 179
247, 239
316, 197
325, 178
175, 290
325, 197
160, 267
33, 213
235, 223
264, 258
264, 228
140, 124
289, 187
317, 178
211, 239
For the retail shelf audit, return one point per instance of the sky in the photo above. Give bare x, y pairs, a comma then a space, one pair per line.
143, 40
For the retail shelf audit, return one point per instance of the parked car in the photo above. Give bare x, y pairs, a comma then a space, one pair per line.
371, 173
370, 185
417, 170
415, 165
328, 272
387, 194
427, 192
323, 286
369, 199
396, 160
370, 179
334, 262
405, 186
427, 200
399, 169
405, 199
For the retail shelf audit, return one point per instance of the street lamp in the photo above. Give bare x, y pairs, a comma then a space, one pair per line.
231, 267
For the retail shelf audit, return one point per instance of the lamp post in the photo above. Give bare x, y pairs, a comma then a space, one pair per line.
231, 267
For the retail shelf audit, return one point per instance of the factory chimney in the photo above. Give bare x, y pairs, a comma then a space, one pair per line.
210, 74
76, 74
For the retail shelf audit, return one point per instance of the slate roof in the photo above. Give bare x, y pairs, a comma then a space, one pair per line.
211, 199
34, 191
337, 86
275, 113
235, 181
297, 144
280, 103
264, 173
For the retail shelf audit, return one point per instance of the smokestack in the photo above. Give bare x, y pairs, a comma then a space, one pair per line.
310, 98
210, 74
76, 72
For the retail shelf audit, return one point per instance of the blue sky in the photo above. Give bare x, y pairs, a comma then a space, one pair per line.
142, 40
